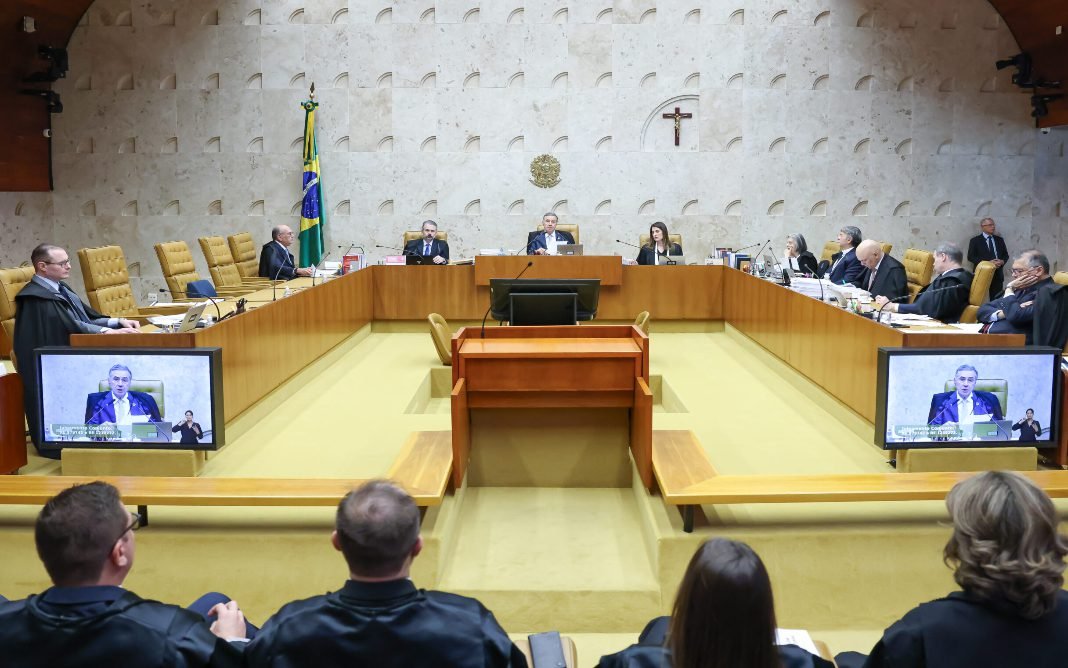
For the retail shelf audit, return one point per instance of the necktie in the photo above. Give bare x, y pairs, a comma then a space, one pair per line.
993, 251
426, 249
871, 281
122, 410
74, 302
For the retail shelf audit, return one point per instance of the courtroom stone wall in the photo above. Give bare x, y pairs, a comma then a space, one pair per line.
183, 119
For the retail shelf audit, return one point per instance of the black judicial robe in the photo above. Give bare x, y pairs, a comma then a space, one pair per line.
649, 652
961, 631
94, 627
939, 301
384, 625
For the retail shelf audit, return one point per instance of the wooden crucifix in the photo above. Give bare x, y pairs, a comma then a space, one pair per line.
678, 116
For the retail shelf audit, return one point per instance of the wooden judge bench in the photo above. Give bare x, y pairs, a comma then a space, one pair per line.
274, 340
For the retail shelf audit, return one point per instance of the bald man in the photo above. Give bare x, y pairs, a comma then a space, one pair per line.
883, 275
276, 262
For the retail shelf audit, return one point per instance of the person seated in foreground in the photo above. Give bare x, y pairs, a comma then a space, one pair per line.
85, 539
947, 295
379, 618
724, 617
545, 243
1008, 559
1014, 313
883, 275
964, 403
797, 248
659, 249
845, 267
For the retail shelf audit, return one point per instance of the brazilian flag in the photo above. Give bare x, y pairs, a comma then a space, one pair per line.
312, 211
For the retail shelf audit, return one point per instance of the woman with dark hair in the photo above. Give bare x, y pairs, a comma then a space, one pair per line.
191, 431
724, 617
659, 248
1008, 559
1028, 427
797, 248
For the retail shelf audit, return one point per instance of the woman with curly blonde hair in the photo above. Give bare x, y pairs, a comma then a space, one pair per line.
1008, 559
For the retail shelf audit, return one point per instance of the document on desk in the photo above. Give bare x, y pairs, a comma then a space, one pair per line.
799, 637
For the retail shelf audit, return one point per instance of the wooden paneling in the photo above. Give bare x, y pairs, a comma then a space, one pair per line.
608, 268
271, 342
12, 424
413, 293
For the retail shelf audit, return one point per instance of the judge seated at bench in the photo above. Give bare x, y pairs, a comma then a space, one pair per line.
883, 275
659, 249
798, 257
845, 266
429, 245
120, 404
379, 617
964, 403
1014, 313
276, 262
947, 295
545, 243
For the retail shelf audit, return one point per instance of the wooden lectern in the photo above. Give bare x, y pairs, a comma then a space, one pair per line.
585, 366
12, 424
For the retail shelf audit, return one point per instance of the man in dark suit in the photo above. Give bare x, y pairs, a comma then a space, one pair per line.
882, 275
120, 405
429, 246
965, 402
947, 295
545, 243
845, 267
380, 618
991, 247
1015, 312
85, 538
276, 262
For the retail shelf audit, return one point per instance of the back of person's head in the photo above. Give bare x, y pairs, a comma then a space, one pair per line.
724, 615
952, 252
76, 531
377, 527
1005, 546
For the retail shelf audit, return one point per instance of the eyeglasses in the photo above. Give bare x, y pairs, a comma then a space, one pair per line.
1017, 272
64, 263
135, 524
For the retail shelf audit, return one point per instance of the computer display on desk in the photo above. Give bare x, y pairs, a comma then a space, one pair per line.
586, 290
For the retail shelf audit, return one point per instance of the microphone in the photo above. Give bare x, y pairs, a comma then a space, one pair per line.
627, 243
747, 247
531, 243
530, 263
403, 251
99, 407
218, 313
782, 272
274, 286
946, 404
756, 255
315, 269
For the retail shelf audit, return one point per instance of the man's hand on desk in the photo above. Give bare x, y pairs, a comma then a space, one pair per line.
129, 324
124, 330
304, 271
885, 304
439, 260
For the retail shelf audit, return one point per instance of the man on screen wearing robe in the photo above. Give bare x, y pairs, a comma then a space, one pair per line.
120, 404
964, 403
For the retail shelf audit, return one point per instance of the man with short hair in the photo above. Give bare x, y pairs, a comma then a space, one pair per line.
429, 246
276, 262
85, 540
989, 246
947, 295
380, 618
883, 275
1014, 313
47, 312
964, 403
120, 405
545, 243
845, 267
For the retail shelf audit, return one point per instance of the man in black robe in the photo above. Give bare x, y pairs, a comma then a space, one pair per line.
47, 312
947, 295
85, 539
380, 618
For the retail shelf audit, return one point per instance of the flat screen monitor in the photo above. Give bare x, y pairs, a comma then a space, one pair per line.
586, 290
968, 397
130, 398
543, 308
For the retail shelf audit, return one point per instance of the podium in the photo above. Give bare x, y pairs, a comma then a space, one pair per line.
552, 381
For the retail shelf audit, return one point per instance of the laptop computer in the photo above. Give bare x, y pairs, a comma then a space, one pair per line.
418, 259
673, 259
569, 249
192, 317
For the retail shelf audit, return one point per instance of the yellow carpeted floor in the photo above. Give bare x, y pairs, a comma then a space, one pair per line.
597, 563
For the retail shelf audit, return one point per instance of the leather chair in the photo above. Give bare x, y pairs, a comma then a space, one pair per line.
11, 282
414, 235
984, 274
642, 322
886, 247
246, 255
919, 269
222, 267
154, 388
829, 249
107, 285
442, 336
564, 227
999, 387
1061, 278
672, 238
178, 269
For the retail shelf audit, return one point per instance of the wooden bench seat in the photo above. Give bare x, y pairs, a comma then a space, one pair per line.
422, 467
688, 480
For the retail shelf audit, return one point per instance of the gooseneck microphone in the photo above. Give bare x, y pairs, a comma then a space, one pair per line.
627, 243
315, 269
274, 285
748, 247
101, 406
530, 263
218, 313
403, 251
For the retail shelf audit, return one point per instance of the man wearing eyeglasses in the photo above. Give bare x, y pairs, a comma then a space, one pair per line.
1014, 313
85, 539
47, 312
